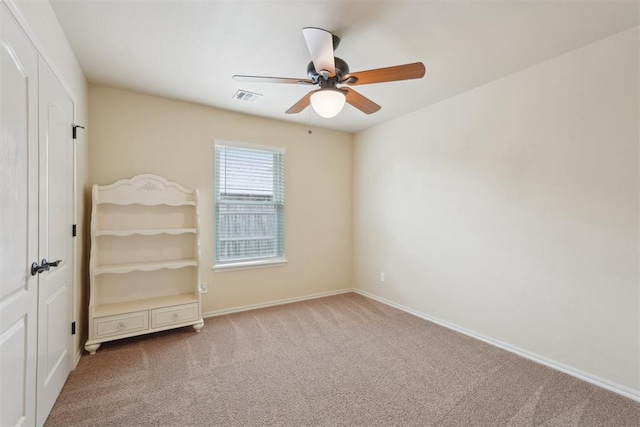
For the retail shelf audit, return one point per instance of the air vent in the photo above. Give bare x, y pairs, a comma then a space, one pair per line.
243, 95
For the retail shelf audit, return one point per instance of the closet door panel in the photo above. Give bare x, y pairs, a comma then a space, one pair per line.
18, 223
56, 219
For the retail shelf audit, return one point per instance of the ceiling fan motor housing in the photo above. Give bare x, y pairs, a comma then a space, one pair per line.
341, 66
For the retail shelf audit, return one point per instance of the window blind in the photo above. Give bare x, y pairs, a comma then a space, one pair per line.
249, 195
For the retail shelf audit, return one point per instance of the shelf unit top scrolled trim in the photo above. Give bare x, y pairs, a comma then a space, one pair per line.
147, 177
145, 189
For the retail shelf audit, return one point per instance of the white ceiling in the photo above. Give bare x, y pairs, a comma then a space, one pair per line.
189, 50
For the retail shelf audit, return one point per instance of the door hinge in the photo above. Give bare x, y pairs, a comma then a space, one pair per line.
73, 328
74, 230
74, 127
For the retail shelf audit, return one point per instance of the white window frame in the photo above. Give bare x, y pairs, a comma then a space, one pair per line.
244, 265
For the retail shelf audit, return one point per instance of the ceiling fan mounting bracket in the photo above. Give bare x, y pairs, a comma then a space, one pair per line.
336, 41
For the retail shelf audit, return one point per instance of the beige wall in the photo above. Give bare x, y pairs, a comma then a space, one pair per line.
133, 133
512, 210
41, 25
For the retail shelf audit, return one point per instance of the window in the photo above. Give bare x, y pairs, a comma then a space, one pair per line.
249, 195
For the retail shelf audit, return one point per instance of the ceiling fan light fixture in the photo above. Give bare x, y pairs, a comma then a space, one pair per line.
328, 102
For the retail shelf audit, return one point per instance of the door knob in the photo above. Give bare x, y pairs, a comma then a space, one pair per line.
44, 266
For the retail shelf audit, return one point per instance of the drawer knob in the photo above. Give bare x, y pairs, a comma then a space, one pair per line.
175, 316
121, 325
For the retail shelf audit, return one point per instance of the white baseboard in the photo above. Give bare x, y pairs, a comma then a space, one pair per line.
585, 376
274, 303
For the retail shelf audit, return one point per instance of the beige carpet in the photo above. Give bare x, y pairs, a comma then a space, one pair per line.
341, 360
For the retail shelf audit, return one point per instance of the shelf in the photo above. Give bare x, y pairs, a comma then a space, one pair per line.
103, 310
144, 266
127, 202
151, 232
144, 272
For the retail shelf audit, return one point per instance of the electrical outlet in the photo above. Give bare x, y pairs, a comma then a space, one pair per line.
382, 277
204, 287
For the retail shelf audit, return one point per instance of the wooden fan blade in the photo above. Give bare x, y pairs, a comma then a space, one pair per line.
262, 79
320, 45
304, 102
389, 74
362, 103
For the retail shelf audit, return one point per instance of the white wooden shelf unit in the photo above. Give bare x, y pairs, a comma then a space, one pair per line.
145, 257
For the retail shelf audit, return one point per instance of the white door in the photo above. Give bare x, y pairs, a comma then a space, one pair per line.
55, 241
18, 223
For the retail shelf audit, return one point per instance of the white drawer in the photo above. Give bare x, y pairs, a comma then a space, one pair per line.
174, 315
121, 324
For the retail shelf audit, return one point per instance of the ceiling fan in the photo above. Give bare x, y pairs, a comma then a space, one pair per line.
327, 72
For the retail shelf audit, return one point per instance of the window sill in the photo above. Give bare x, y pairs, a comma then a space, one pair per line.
249, 265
